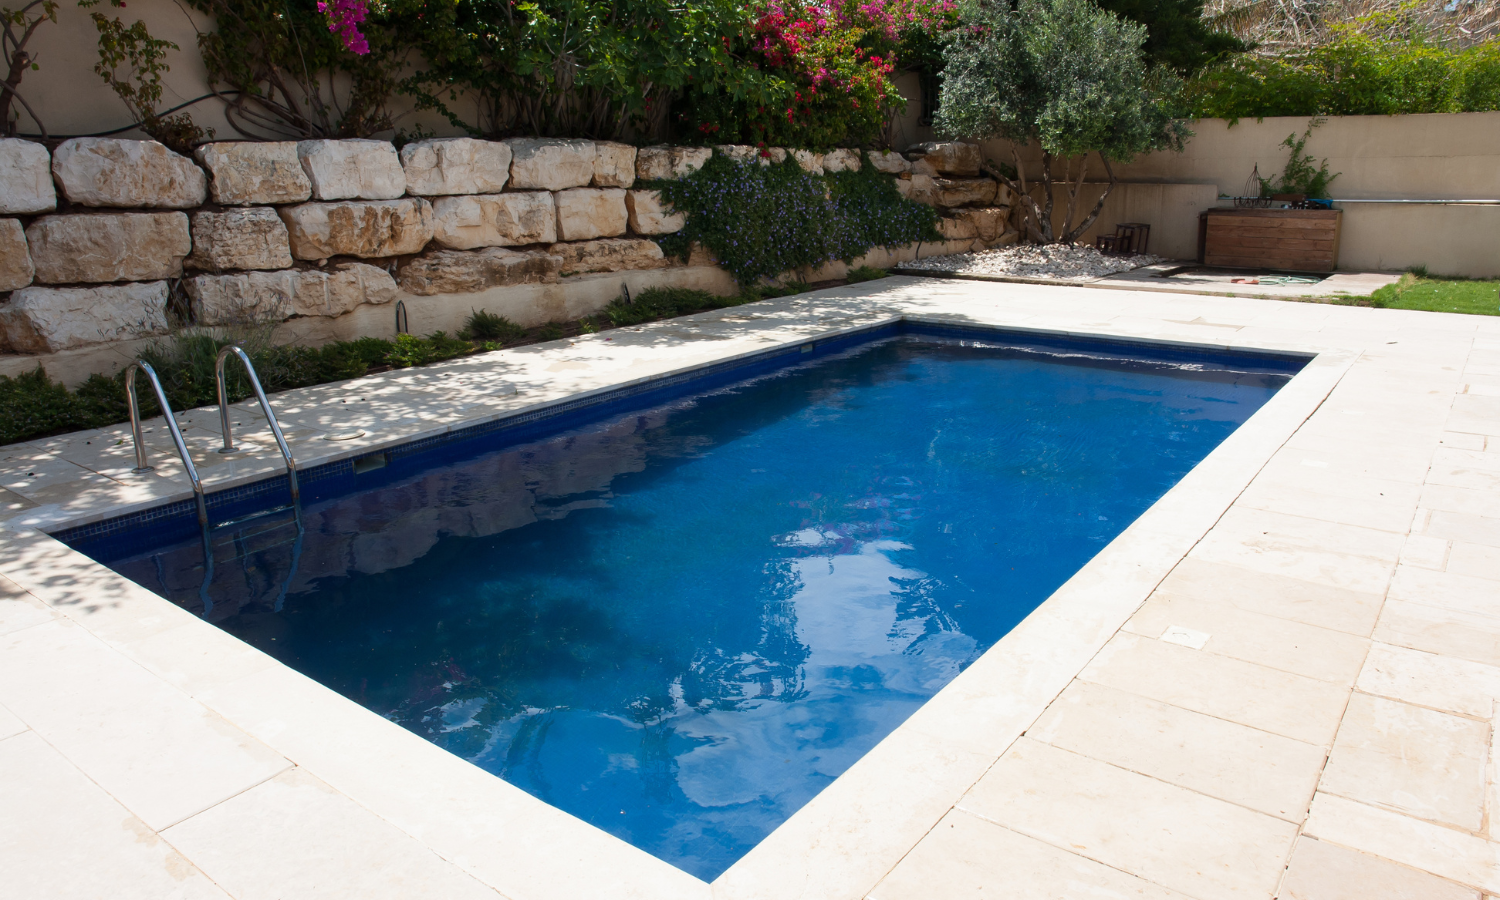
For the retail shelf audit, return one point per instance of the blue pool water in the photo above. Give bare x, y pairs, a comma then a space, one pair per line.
680, 623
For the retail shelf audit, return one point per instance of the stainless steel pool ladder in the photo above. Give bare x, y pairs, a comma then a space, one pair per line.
141, 463
265, 406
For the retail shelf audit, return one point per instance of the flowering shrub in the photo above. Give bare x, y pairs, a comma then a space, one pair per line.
760, 221
828, 64
344, 17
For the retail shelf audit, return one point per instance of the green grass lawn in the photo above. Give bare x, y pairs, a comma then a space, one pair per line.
1480, 298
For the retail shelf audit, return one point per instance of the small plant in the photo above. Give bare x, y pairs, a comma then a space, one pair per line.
143, 59
549, 332
1300, 176
865, 273
487, 326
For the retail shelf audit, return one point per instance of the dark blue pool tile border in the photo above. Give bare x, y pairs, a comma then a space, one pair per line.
119, 536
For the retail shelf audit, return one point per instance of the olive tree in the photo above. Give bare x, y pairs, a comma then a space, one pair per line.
1067, 75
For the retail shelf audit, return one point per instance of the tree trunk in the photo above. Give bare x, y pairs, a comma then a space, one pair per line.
1093, 215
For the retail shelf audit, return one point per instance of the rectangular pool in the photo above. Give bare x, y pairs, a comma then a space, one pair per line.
678, 614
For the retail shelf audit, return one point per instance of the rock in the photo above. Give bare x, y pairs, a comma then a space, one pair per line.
358, 228
246, 172
811, 163
587, 213
355, 169
841, 161
494, 220
663, 163
609, 256
775, 154
989, 223
112, 172
471, 271
956, 229
614, 165
456, 166
254, 238
889, 162
951, 192
16, 269
952, 158
918, 189
649, 216
740, 153
114, 247
549, 164
923, 167
25, 178
46, 320
262, 297
1005, 239
699, 255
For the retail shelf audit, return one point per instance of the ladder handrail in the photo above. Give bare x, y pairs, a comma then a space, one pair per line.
142, 465
265, 407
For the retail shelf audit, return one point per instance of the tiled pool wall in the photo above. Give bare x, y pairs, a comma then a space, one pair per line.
133, 532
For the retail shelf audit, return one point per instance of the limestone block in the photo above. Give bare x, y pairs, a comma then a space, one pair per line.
989, 223
776, 154
246, 172
1005, 239
614, 165
113, 172
648, 214
918, 189
952, 157
549, 164
740, 153
951, 192
456, 166
662, 163
609, 256
25, 178
15, 261
957, 229
471, 271
352, 169
359, 228
495, 220
259, 297
841, 161
46, 319
587, 213
113, 247
923, 167
254, 238
889, 162
811, 163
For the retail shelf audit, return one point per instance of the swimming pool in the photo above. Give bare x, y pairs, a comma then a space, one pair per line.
679, 621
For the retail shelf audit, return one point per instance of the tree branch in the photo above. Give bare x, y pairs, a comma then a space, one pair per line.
1098, 206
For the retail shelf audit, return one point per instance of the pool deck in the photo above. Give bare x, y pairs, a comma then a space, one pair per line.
1280, 682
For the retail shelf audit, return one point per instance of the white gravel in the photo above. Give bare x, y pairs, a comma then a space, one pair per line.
1060, 261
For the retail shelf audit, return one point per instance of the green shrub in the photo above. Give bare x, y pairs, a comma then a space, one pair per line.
661, 303
865, 273
32, 404
486, 326
760, 221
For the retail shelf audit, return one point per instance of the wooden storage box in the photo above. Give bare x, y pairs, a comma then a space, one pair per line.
1297, 240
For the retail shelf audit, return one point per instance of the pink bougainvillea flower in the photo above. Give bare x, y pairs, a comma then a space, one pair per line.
344, 17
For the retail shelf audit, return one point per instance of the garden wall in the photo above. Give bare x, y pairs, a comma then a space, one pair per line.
107, 244
1416, 157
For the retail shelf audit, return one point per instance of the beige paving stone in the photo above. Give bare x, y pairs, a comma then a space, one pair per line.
1177, 838
1323, 871
1427, 679
1475, 561
966, 856
1293, 706
1255, 769
1267, 640
294, 836
1442, 851
1343, 556
1446, 589
1410, 759
1458, 468
18, 609
1449, 632
1352, 612
1384, 505
63, 838
159, 753
1425, 552
9, 724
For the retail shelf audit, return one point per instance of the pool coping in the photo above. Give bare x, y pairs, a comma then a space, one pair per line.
842, 842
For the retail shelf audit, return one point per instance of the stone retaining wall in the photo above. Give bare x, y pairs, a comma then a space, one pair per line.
98, 237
